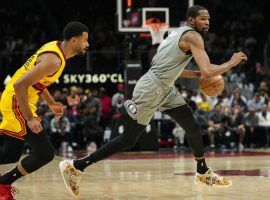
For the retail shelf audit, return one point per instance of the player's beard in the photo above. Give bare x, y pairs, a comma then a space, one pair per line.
82, 52
203, 33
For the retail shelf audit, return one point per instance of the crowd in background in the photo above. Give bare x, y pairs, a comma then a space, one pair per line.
240, 117
87, 116
231, 120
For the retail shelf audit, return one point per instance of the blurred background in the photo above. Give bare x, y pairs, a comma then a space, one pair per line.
94, 87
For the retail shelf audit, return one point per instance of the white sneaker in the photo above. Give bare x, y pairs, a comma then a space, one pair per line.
212, 179
71, 177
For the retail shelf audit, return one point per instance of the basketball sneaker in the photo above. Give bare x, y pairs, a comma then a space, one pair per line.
71, 176
7, 192
212, 179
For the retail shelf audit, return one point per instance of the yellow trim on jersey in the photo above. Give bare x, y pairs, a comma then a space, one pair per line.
13, 123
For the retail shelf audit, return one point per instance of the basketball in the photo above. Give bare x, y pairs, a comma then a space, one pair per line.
211, 87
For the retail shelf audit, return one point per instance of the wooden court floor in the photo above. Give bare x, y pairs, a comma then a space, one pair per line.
154, 176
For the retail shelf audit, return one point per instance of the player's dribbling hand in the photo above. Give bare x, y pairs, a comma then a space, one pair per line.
238, 58
34, 125
57, 108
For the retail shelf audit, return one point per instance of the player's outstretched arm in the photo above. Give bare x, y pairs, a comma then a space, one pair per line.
195, 44
190, 74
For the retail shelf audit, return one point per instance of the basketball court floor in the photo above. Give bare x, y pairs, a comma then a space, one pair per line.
153, 176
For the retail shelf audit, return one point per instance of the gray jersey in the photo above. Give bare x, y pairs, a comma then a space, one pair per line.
170, 60
155, 90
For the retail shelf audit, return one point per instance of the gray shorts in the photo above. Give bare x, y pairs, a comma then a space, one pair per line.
151, 95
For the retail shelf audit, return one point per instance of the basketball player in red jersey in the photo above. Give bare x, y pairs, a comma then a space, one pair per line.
20, 121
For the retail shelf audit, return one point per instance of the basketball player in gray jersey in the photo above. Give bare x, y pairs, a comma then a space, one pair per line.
155, 91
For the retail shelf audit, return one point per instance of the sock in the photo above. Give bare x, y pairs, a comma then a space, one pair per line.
82, 163
201, 166
10, 176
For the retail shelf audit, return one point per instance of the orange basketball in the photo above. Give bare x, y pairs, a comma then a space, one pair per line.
211, 87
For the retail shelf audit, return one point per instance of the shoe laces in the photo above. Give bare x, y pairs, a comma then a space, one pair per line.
210, 177
74, 174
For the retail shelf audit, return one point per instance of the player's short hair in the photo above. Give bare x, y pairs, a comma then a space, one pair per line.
74, 29
193, 11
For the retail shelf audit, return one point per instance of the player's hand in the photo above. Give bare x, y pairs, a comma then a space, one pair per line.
34, 125
238, 58
57, 108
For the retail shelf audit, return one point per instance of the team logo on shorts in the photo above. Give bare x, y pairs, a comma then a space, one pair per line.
131, 108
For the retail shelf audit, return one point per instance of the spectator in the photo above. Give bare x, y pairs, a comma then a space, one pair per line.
261, 73
118, 104
264, 90
204, 105
264, 123
237, 77
91, 130
256, 102
92, 101
238, 99
226, 130
106, 104
237, 124
251, 121
214, 124
60, 129
120, 92
74, 102
57, 96
179, 135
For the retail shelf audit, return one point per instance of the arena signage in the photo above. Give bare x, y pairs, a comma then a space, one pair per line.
90, 78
